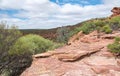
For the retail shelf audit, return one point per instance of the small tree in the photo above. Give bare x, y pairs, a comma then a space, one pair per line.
63, 34
8, 36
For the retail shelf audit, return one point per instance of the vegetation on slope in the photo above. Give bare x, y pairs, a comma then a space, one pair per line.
106, 26
63, 34
16, 50
102, 25
115, 47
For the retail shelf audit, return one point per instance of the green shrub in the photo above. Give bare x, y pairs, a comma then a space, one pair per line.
99, 23
76, 30
106, 29
115, 23
86, 28
63, 35
117, 39
31, 44
105, 25
115, 47
115, 19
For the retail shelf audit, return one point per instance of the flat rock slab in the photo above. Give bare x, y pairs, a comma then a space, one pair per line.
99, 69
48, 54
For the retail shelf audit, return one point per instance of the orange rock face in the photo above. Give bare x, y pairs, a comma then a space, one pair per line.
116, 11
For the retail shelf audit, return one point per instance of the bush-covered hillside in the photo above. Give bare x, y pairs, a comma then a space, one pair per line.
115, 47
106, 25
103, 25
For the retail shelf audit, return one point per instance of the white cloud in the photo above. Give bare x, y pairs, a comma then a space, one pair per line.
46, 14
11, 4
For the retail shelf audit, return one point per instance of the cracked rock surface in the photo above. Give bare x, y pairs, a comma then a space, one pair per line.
82, 58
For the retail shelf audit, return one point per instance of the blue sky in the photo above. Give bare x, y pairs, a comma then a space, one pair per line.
80, 2
45, 14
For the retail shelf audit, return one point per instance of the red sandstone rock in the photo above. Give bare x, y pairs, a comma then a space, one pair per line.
115, 11
104, 52
107, 54
118, 62
87, 55
91, 59
43, 55
94, 33
88, 39
48, 54
72, 57
75, 37
110, 36
104, 68
99, 69
92, 37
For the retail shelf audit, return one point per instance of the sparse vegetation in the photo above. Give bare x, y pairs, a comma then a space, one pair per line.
57, 45
106, 29
102, 25
115, 47
89, 26
115, 23
86, 27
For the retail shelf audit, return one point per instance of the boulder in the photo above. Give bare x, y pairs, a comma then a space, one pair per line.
115, 11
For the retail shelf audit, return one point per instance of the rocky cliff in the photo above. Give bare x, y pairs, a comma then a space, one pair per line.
86, 56
115, 11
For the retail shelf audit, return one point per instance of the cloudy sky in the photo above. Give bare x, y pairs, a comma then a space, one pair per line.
44, 14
